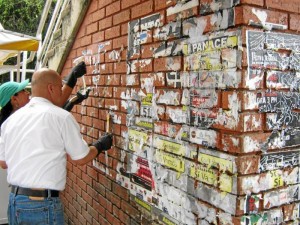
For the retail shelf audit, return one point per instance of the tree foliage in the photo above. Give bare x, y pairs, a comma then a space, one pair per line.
21, 16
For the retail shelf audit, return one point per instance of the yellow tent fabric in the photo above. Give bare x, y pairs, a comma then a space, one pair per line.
25, 45
16, 41
5, 55
12, 42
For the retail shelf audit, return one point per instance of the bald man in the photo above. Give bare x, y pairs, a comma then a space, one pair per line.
34, 142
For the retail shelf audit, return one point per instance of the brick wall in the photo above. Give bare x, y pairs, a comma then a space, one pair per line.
204, 101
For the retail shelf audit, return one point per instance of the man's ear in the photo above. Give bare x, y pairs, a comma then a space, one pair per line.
50, 88
13, 99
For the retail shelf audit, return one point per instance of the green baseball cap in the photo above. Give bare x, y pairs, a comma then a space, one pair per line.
10, 88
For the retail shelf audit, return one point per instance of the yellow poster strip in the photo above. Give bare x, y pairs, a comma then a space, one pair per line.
169, 146
166, 221
136, 139
143, 123
171, 161
276, 178
211, 45
147, 100
210, 176
204, 174
225, 182
213, 161
143, 204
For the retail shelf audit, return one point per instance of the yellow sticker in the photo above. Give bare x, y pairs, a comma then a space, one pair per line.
210, 176
147, 100
225, 182
276, 178
213, 161
166, 221
171, 161
136, 139
169, 146
213, 44
185, 49
143, 204
204, 174
145, 124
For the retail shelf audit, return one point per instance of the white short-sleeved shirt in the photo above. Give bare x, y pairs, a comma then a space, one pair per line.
34, 142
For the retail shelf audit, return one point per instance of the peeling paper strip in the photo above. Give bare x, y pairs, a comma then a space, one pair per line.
181, 7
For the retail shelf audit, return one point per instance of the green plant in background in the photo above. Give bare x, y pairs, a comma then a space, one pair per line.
21, 16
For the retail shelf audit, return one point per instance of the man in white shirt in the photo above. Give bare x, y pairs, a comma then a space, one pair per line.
34, 143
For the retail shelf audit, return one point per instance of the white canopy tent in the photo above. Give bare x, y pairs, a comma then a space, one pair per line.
11, 45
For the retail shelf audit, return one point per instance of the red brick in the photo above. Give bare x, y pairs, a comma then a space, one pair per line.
92, 173
98, 15
92, 7
103, 3
105, 181
92, 212
121, 17
81, 33
105, 23
122, 192
98, 37
112, 219
72, 209
248, 164
158, 4
120, 42
112, 32
158, 78
86, 40
253, 2
244, 14
107, 68
141, 10
102, 219
86, 178
243, 123
115, 200
87, 198
294, 22
130, 209
165, 64
183, 14
81, 202
113, 8
127, 3
81, 219
288, 211
290, 6
124, 29
120, 67
147, 49
245, 143
118, 92
77, 171
81, 184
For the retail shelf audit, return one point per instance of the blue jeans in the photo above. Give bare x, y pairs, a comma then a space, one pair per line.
24, 211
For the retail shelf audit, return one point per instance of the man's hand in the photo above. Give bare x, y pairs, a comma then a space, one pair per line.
103, 143
80, 96
78, 71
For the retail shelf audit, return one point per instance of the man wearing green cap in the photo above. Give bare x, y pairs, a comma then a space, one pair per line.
35, 141
12, 97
